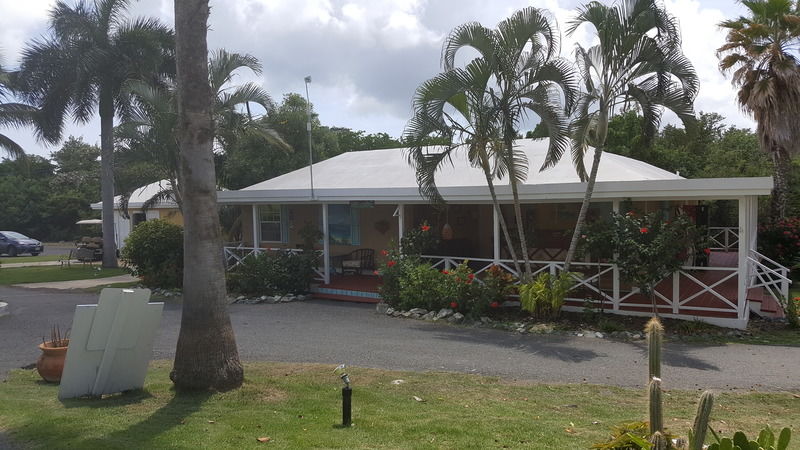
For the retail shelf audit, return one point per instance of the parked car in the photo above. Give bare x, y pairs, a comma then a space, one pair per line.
13, 244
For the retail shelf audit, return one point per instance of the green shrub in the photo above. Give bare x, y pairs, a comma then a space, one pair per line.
421, 286
154, 252
461, 292
544, 296
272, 273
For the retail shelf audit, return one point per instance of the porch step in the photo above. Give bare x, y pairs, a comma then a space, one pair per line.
764, 305
344, 298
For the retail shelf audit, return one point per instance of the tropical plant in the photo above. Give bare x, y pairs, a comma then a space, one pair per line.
154, 252
544, 296
637, 61
273, 273
419, 241
478, 108
647, 248
766, 441
206, 357
92, 51
11, 114
761, 51
147, 133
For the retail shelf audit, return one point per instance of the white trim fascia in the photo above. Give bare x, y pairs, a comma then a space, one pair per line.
684, 189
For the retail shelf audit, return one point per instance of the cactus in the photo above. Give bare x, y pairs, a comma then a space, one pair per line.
659, 441
655, 334
656, 410
700, 427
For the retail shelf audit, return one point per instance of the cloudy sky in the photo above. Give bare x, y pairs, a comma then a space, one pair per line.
366, 57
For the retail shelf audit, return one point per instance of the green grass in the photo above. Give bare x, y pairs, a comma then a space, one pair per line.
97, 289
41, 274
298, 406
29, 259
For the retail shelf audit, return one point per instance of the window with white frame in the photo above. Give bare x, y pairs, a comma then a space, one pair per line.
271, 221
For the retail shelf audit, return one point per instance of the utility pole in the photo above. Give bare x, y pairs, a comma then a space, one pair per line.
310, 151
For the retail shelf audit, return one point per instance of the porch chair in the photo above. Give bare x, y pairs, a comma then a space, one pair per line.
67, 260
356, 261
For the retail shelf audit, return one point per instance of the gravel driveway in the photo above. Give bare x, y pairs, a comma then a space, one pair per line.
333, 332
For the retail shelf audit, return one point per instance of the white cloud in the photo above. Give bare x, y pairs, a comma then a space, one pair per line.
367, 57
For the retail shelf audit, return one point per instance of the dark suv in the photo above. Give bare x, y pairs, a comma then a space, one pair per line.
13, 243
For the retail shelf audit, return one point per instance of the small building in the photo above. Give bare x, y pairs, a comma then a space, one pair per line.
137, 213
368, 199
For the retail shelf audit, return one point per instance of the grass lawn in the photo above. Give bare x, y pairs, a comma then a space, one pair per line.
298, 406
18, 275
97, 289
28, 258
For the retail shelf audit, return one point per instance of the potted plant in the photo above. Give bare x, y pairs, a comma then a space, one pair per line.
54, 352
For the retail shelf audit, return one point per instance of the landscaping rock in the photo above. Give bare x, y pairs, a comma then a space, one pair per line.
406, 313
389, 311
3, 309
443, 314
456, 318
420, 311
381, 308
485, 320
598, 334
430, 316
541, 328
415, 316
397, 313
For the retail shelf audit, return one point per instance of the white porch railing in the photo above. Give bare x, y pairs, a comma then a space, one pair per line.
687, 284
234, 255
765, 273
723, 238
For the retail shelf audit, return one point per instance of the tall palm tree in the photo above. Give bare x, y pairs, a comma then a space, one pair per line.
206, 356
516, 73
471, 123
81, 66
761, 51
147, 132
11, 114
637, 60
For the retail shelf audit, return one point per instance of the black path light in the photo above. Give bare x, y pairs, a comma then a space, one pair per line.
347, 395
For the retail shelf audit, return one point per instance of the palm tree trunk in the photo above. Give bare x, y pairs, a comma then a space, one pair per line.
780, 192
521, 231
587, 197
106, 110
206, 356
503, 225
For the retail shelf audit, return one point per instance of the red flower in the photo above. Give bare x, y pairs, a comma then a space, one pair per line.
494, 305
376, 272
643, 230
471, 276
385, 252
391, 263
453, 305
446, 272
425, 227
707, 251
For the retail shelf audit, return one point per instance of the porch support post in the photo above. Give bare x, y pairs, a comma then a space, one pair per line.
676, 291
326, 245
401, 223
496, 234
615, 271
256, 244
744, 250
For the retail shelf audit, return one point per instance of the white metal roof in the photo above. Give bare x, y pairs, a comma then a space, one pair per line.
141, 195
386, 176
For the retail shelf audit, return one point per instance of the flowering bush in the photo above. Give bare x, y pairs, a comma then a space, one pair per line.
419, 241
781, 241
648, 248
498, 284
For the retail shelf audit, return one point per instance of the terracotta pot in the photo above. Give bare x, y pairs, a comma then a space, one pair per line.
51, 363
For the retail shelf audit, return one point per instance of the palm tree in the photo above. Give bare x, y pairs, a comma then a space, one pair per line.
637, 61
13, 114
147, 132
91, 52
761, 51
206, 356
517, 73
